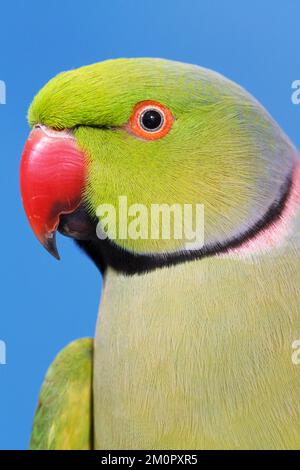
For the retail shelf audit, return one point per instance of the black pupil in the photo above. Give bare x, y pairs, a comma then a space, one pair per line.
151, 120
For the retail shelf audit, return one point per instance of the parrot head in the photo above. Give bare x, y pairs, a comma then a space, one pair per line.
157, 132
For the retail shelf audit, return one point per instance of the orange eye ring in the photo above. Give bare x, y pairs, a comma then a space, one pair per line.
150, 120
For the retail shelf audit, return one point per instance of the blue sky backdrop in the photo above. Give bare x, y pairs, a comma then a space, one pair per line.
44, 304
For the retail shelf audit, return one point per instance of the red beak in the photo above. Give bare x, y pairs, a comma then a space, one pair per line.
53, 173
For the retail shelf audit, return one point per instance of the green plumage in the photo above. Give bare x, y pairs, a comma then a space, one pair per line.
64, 416
196, 355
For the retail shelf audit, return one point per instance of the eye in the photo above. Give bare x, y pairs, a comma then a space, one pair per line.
150, 120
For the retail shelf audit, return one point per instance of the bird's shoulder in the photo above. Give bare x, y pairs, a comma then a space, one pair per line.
63, 418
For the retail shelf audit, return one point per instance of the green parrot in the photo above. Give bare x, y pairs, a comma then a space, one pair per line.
194, 342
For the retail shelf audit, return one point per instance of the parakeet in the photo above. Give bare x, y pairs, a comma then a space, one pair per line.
193, 345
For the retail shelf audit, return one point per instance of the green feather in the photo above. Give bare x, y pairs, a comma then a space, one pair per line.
196, 355
64, 416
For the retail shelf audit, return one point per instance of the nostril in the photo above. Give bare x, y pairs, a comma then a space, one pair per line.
57, 133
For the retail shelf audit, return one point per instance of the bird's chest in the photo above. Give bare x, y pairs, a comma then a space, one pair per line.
186, 358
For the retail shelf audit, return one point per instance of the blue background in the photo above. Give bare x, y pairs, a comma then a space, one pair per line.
44, 304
